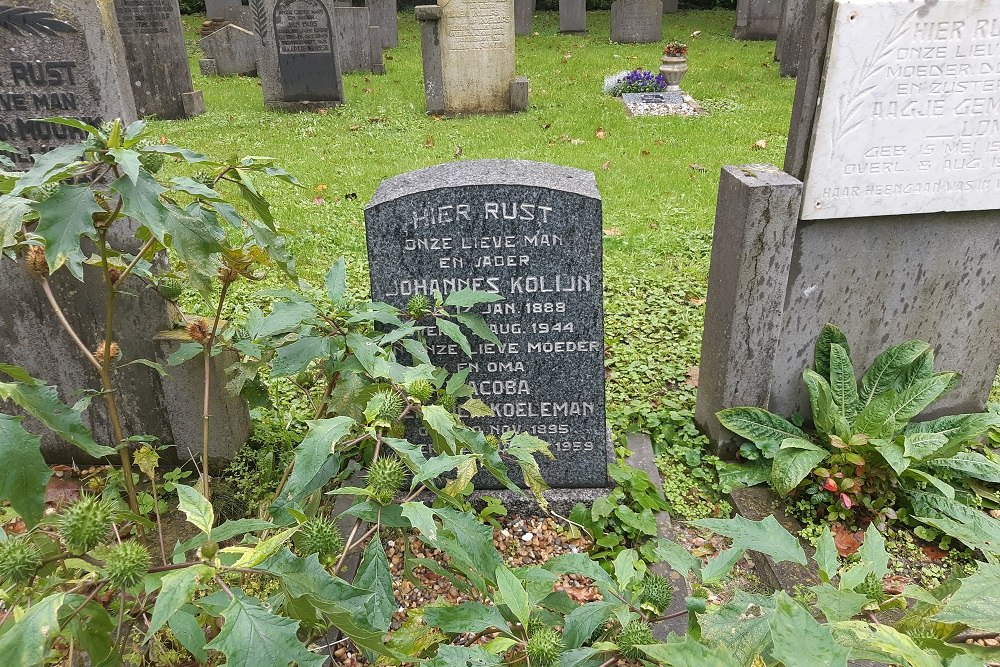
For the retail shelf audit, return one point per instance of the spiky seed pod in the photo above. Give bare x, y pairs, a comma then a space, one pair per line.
125, 564
385, 479
208, 550
19, 560
391, 406
103, 201
205, 179
657, 592
418, 306
34, 257
872, 588
198, 330
319, 536
152, 162
43, 192
170, 290
114, 349
114, 274
421, 390
636, 633
493, 441
544, 647
85, 524
448, 402
600, 632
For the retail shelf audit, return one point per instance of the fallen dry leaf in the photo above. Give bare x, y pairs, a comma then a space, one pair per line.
760, 144
458, 151
354, 128
576, 142
369, 91
697, 167
601, 133
318, 201
612, 231
692, 377
322, 187
60, 491
429, 141
658, 142
163, 139
933, 552
606, 165
644, 153
894, 584
847, 542
696, 302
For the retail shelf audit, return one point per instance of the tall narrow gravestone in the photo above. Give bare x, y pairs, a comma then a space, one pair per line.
531, 233
897, 237
573, 16
384, 16
524, 13
157, 59
297, 53
59, 58
359, 44
757, 19
468, 55
636, 21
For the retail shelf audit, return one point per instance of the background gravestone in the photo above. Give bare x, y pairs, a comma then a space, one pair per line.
59, 59
636, 21
359, 44
524, 12
228, 51
157, 59
757, 19
573, 16
468, 56
669, 6
927, 266
384, 16
297, 53
792, 34
530, 232
221, 9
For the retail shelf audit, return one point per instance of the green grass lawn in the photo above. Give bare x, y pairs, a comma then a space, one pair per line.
658, 175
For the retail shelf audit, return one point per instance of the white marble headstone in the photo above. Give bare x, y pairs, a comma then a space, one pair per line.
909, 117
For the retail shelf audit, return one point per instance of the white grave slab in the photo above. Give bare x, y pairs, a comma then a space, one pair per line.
909, 120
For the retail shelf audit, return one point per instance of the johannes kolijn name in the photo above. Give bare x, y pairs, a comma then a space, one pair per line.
492, 284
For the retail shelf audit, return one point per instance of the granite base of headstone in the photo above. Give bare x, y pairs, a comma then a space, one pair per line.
573, 16
898, 233
636, 21
757, 20
157, 60
524, 13
385, 17
231, 50
297, 56
359, 44
467, 48
59, 59
530, 233
671, 103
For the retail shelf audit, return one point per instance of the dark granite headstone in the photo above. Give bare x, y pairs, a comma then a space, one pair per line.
359, 44
297, 53
572, 15
530, 232
221, 9
636, 21
59, 59
157, 59
384, 16
524, 12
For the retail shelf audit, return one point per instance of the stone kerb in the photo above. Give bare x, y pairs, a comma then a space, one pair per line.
531, 233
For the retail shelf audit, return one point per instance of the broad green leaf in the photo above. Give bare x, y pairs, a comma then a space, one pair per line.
454, 332
893, 453
42, 403
579, 657
977, 601
12, 212
843, 382
287, 316
200, 190
522, 448
972, 464
874, 419
477, 325
791, 466
314, 450
958, 428
195, 235
466, 298
973, 527
275, 246
465, 617
825, 411
719, 566
263, 550
886, 368
511, 593
62, 219
920, 369
821, 355
196, 507
421, 517
365, 350
190, 634
625, 570
92, 630
51, 167
836, 604
766, 536
455, 656
254, 637
759, 426
374, 575
416, 349
827, 556
677, 557
919, 446
129, 162
469, 545
741, 625
689, 653
177, 589
440, 422
947, 490
910, 402
873, 559
883, 640
734, 476
439, 465
580, 564
799, 641
476, 408
336, 281
582, 621
25, 642
24, 474
295, 357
